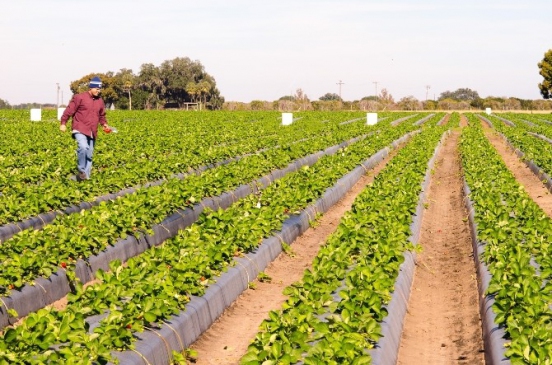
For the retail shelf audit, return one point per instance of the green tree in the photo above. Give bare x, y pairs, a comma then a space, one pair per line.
216, 101
330, 97
545, 70
409, 103
124, 83
179, 73
462, 94
477, 104
192, 89
429, 105
329, 105
258, 105
150, 81
526, 104
204, 88
4, 104
495, 103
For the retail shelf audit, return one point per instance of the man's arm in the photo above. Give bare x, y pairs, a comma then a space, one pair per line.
103, 120
68, 113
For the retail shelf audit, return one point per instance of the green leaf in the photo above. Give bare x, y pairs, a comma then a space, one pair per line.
150, 317
10, 335
276, 350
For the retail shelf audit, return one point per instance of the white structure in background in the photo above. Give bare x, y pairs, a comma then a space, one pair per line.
488, 111
60, 113
36, 115
287, 118
371, 118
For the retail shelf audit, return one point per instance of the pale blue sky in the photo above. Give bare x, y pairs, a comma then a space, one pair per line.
259, 50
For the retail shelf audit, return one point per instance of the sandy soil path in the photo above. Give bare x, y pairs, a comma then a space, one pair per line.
225, 342
442, 325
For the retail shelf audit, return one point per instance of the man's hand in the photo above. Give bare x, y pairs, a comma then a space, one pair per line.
63, 127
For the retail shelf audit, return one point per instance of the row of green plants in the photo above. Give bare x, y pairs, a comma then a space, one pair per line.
171, 134
535, 126
538, 119
159, 149
334, 313
152, 287
24, 139
516, 234
519, 136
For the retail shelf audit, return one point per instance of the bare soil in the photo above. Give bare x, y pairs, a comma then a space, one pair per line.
226, 341
442, 325
524, 176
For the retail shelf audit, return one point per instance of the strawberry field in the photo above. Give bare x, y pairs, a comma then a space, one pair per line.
185, 209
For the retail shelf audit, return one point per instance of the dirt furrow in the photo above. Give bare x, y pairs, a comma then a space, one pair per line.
442, 325
524, 176
226, 341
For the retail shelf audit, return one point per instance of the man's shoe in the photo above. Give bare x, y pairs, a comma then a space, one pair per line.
81, 176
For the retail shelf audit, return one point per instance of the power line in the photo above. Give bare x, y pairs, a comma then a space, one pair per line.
340, 83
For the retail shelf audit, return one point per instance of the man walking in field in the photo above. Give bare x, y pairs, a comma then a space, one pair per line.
87, 110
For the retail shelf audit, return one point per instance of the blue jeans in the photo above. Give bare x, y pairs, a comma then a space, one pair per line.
85, 149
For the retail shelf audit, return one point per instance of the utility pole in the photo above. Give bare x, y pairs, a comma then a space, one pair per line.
427, 90
57, 100
340, 83
376, 83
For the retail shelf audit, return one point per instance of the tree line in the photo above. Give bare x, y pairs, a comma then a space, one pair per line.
460, 99
448, 100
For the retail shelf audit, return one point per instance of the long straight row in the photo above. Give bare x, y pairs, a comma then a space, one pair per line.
515, 235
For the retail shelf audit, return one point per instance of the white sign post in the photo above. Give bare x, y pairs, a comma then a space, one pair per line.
371, 118
60, 113
287, 118
36, 115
